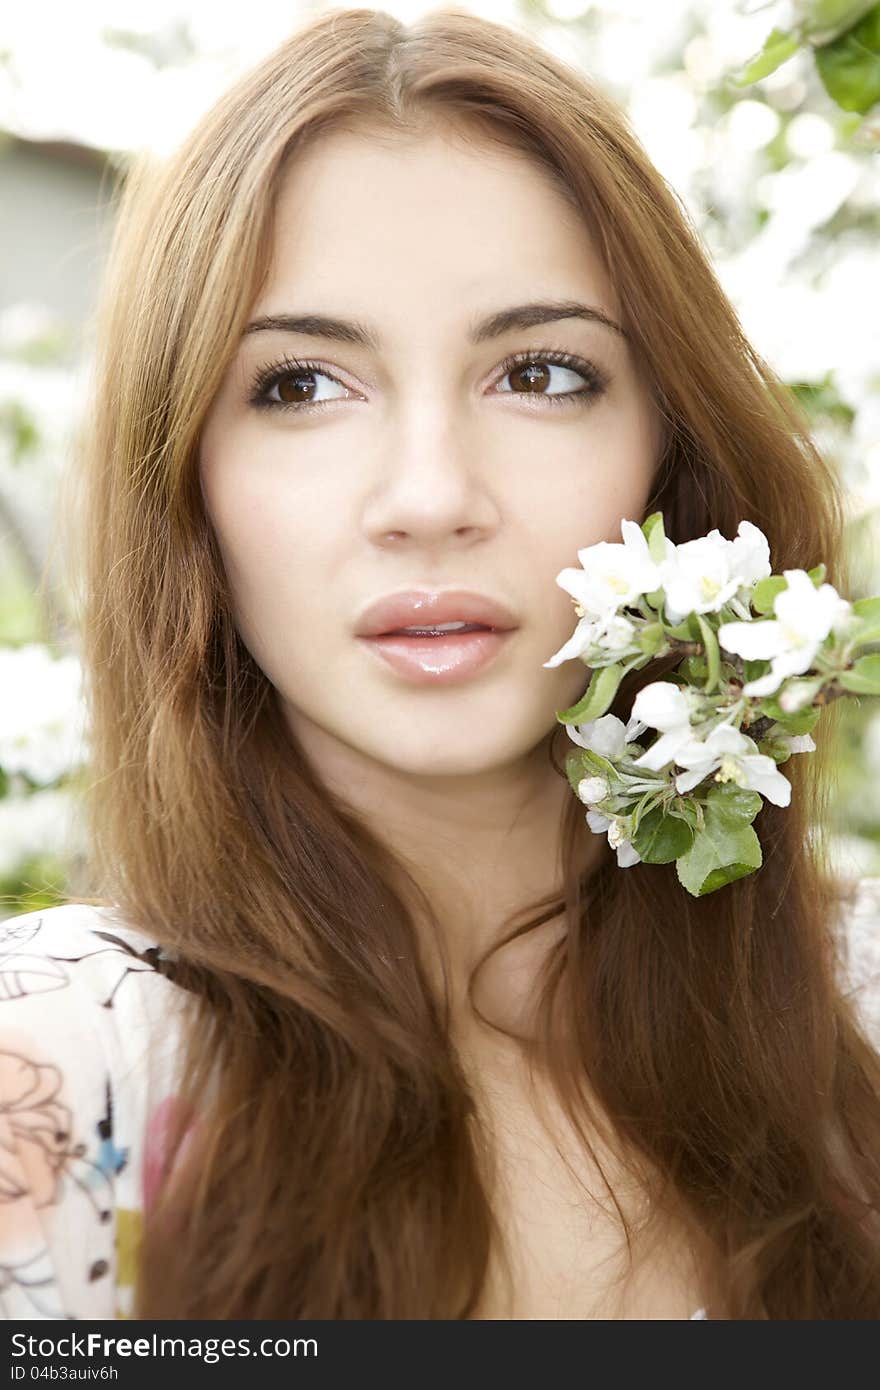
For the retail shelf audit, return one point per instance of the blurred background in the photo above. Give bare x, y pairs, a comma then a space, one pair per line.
764, 118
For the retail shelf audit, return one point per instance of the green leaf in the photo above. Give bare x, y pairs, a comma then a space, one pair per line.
583, 762
802, 721
776, 749
754, 668
734, 800
850, 66
867, 636
778, 48
574, 768
863, 678
713, 656
651, 638
719, 877
642, 808
597, 698
655, 599
765, 591
823, 20
694, 669
652, 530
597, 766
818, 573
686, 809
662, 837
868, 608
681, 631
719, 855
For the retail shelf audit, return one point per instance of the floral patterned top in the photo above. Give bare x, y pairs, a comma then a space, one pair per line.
89, 1039
90, 1032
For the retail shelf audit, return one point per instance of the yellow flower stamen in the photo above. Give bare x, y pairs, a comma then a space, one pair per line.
730, 771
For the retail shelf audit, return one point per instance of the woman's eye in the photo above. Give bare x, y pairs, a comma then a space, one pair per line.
554, 376
295, 386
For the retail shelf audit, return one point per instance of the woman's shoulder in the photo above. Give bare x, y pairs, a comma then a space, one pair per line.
80, 965
73, 932
89, 1045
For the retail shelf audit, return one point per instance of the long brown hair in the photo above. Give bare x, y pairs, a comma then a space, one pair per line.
339, 1173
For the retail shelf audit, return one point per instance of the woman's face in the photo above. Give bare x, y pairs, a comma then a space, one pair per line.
425, 461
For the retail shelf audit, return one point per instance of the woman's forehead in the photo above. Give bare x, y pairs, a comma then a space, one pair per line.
433, 225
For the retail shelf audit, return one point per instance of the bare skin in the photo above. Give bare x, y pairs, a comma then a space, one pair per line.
433, 465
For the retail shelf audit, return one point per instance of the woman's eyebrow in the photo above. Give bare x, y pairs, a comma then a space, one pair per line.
481, 331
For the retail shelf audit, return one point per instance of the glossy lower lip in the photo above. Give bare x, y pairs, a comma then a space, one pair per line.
439, 660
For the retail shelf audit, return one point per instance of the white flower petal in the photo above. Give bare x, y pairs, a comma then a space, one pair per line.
578, 643
763, 685
750, 554
627, 855
843, 617
807, 612
663, 750
605, 736
574, 582
699, 576
597, 822
762, 775
662, 705
724, 738
684, 781
593, 789
758, 641
790, 663
615, 633
634, 727
573, 731
799, 743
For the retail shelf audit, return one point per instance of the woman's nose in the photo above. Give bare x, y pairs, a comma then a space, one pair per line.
432, 487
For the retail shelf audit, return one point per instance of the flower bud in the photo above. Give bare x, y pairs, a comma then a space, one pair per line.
797, 694
592, 789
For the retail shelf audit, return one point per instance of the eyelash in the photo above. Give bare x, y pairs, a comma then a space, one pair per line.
596, 380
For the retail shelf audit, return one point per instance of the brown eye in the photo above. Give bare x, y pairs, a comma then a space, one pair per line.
295, 389
295, 385
532, 373
300, 387
533, 376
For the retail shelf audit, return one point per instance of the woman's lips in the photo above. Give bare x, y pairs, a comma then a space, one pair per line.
453, 656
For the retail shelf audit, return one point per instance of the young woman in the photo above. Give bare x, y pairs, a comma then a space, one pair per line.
356, 1018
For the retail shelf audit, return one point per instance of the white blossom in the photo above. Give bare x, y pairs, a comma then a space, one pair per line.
612, 574
608, 632
607, 736
664, 706
618, 839
701, 575
732, 756
804, 617
579, 644
616, 633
